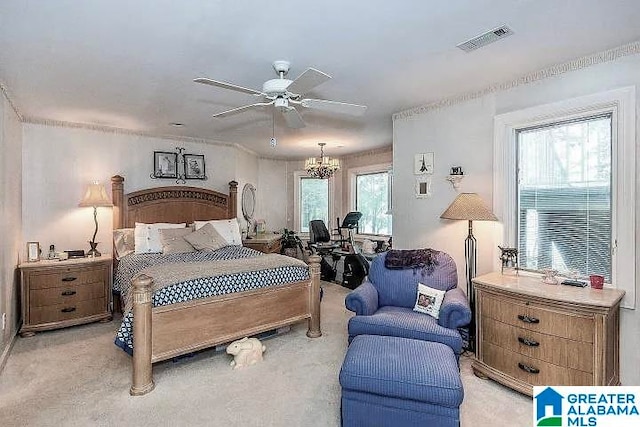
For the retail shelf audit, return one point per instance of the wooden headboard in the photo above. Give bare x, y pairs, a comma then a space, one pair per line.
170, 204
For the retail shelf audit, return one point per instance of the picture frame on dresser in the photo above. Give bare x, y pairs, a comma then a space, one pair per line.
165, 164
33, 251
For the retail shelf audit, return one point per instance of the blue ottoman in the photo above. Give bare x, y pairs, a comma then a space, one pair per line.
392, 381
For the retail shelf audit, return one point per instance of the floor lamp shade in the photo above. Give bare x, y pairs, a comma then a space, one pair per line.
469, 207
95, 196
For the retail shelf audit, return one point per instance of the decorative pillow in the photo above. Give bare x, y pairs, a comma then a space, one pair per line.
124, 242
206, 238
229, 229
429, 300
173, 240
148, 238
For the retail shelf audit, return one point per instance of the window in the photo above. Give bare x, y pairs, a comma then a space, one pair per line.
564, 197
313, 203
372, 200
564, 186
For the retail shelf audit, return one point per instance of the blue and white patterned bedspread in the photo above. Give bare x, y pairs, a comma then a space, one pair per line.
204, 287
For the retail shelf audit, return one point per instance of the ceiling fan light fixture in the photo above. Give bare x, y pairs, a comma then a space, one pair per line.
322, 167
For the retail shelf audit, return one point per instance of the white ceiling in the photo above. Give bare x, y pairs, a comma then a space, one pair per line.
130, 64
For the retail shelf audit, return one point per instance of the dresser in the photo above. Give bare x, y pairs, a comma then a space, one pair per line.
56, 294
530, 333
264, 242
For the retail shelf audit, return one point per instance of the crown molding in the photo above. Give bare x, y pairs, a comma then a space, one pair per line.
628, 49
5, 92
117, 130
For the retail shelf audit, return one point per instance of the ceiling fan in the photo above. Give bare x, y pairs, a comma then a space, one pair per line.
284, 95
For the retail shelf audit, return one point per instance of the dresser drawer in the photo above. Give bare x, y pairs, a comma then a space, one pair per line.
549, 348
66, 294
516, 365
58, 312
68, 276
533, 317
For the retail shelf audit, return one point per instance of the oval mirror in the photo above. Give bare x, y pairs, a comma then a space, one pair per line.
248, 201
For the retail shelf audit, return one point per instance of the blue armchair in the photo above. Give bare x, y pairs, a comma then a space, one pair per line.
384, 303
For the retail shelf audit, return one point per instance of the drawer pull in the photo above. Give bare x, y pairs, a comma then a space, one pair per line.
528, 319
68, 309
68, 293
528, 342
528, 369
69, 279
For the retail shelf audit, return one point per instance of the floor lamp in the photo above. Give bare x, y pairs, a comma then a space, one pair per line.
469, 207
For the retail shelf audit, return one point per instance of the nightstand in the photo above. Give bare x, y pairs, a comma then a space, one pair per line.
268, 243
57, 294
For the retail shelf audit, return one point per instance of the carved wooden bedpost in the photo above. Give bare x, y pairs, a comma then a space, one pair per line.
314, 322
117, 195
142, 375
233, 199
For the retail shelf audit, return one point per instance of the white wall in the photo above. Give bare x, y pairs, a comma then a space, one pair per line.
10, 218
271, 194
462, 134
60, 161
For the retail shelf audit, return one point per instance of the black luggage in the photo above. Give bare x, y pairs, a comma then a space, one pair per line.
356, 268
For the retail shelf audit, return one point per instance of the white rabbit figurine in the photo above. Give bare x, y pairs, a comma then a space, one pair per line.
247, 351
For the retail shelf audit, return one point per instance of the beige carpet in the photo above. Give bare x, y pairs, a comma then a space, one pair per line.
78, 377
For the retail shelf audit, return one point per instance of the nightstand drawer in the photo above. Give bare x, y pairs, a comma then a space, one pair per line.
532, 317
66, 294
532, 371
58, 312
549, 348
69, 276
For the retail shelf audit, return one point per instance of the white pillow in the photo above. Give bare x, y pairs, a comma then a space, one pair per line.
147, 237
229, 229
429, 300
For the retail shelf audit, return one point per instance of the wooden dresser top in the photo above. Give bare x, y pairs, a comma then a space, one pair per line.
532, 286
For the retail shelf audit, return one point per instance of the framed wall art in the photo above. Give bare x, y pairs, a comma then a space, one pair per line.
423, 164
165, 164
194, 167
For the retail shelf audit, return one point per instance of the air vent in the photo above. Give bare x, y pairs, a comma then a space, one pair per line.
486, 38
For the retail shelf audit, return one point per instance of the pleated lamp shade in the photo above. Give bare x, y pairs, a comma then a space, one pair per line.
95, 196
468, 206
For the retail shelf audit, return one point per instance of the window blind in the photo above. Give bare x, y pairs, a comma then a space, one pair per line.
564, 197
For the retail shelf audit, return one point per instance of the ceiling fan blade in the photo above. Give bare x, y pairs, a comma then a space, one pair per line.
334, 106
307, 81
293, 118
226, 85
240, 109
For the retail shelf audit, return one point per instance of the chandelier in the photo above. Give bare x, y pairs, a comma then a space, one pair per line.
321, 167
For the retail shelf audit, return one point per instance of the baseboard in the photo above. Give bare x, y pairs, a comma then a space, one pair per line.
7, 350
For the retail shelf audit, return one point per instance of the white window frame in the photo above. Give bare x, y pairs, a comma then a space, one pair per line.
297, 175
378, 168
621, 103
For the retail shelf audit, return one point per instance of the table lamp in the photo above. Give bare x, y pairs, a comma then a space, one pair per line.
469, 207
95, 196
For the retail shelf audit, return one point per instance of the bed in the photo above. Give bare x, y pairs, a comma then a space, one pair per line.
167, 331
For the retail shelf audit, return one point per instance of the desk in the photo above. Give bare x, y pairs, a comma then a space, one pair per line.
264, 242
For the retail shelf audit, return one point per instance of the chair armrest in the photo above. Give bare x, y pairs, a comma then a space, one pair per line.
363, 300
454, 311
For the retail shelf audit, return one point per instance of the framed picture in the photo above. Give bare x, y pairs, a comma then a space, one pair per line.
33, 251
194, 167
423, 187
423, 164
165, 164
